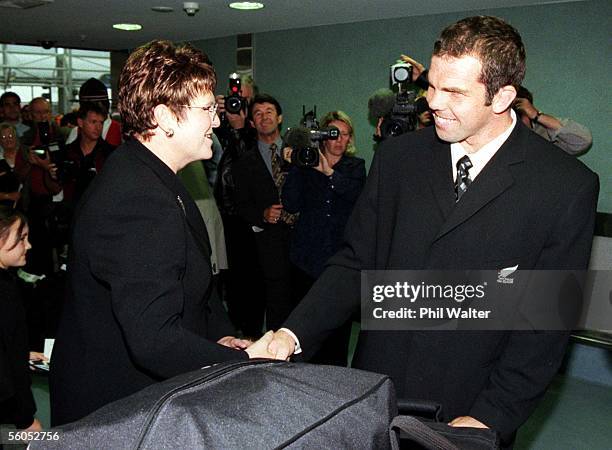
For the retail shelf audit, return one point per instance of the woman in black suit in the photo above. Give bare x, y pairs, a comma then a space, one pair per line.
140, 307
324, 197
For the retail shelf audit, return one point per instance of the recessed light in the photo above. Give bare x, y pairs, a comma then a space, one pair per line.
127, 26
246, 5
162, 9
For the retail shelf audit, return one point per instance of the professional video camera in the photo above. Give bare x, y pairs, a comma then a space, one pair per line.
234, 103
399, 109
306, 139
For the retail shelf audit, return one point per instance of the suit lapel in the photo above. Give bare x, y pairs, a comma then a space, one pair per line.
181, 196
493, 180
440, 178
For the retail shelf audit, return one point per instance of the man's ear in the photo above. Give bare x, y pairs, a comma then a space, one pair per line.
503, 99
79, 122
280, 119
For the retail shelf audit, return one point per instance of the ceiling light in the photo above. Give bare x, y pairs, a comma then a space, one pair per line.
246, 5
162, 9
127, 26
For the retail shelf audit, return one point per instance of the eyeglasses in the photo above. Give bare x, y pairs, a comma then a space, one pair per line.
212, 109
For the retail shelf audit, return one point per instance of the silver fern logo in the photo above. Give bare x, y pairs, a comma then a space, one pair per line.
503, 275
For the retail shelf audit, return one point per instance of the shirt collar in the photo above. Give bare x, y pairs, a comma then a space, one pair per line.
480, 158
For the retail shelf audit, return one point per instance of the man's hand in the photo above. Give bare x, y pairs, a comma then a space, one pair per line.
234, 342
417, 67
36, 426
524, 107
272, 213
282, 346
220, 99
259, 349
467, 421
236, 121
324, 166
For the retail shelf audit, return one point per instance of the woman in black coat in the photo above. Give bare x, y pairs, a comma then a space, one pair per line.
324, 197
140, 306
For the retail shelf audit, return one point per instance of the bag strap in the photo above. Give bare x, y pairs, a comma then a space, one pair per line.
419, 433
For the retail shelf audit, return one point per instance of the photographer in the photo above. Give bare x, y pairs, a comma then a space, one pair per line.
38, 174
324, 197
242, 281
573, 138
570, 136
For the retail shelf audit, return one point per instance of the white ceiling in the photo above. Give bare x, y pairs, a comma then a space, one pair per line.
87, 24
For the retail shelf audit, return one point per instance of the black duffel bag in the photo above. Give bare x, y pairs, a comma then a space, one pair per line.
420, 427
244, 405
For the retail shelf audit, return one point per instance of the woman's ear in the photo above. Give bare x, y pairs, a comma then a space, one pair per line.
165, 119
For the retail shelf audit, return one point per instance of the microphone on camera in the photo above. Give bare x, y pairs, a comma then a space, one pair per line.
298, 137
380, 104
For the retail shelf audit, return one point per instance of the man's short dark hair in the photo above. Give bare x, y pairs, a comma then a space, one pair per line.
523, 92
94, 107
495, 43
265, 98
9, 94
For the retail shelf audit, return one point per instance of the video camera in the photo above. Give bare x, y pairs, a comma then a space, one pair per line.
306, 139
234, 102
400, 110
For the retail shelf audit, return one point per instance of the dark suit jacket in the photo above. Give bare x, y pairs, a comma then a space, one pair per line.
139, 307
532, 205
256, 191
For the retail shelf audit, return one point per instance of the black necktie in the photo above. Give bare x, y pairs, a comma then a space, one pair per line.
463, 177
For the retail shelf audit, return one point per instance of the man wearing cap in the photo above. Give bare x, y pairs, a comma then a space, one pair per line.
95, 91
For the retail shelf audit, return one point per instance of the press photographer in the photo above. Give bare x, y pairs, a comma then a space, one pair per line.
304, 142
396, 113
324, 195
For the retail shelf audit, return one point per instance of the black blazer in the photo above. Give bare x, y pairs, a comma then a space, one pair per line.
255, 188
532, 205
139, 307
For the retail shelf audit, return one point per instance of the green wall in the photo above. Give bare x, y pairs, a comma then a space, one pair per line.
338, 67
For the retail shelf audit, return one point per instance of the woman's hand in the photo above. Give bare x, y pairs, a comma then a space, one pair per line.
234, 342
324, 166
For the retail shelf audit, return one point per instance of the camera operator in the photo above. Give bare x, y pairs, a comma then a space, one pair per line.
38, 174
242, 282
324, 197
572, 137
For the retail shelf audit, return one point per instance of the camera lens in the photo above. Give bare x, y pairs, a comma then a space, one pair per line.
306, 157
234, 103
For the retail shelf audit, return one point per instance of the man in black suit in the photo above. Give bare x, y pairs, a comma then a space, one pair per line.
259, 176
477, 191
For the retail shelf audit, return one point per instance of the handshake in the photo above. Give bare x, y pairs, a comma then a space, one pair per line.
272, 345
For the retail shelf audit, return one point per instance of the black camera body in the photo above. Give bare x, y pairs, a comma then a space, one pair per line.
306, 139
234, 102
403, 116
